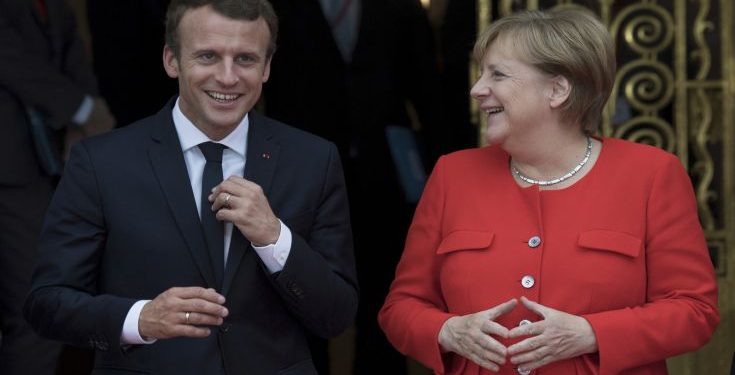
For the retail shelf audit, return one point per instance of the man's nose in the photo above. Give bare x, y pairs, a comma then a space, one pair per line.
226, 74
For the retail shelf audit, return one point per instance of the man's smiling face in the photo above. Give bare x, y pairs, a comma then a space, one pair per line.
221, 69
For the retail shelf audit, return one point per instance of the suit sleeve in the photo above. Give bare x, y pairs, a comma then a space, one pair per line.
318, 281
35, 81
414, 310
680, 314
63, 303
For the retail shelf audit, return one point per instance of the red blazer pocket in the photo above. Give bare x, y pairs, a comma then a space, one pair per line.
607, 240
465, 240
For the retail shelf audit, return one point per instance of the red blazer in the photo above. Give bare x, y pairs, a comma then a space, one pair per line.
622, 248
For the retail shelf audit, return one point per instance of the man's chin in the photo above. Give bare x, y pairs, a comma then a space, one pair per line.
228, 123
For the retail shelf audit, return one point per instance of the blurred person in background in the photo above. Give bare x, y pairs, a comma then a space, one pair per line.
347, 70
48, 100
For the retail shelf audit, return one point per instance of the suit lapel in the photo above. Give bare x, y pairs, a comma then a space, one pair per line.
260, 166
170, 169
262, 153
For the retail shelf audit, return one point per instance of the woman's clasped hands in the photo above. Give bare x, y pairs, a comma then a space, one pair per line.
557, 336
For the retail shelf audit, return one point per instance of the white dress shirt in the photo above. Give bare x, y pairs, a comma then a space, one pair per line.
274, 256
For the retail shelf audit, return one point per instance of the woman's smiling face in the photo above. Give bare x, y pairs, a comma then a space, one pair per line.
513, 94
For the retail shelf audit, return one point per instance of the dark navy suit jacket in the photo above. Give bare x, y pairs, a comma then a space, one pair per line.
123, 226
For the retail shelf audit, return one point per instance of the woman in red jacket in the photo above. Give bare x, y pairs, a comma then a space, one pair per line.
552, 251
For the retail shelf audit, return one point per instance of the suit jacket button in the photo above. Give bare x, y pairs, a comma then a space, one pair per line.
225, 327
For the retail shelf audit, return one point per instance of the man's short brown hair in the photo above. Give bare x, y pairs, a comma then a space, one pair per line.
249, 10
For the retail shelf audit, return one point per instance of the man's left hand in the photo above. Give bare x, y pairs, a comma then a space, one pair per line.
558, 336
244, 204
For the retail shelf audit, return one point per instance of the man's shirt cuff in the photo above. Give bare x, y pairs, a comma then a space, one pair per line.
130, 334
274, 256
85, 110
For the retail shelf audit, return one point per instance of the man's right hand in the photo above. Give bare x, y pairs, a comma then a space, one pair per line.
471, 336
165, 316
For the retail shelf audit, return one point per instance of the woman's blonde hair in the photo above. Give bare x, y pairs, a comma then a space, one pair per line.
571, 43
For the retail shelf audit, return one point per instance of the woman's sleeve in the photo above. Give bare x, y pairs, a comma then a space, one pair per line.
414, 310
680, 313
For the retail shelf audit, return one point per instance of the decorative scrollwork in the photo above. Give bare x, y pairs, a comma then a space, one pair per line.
648, 85
650, 31
702, 53
570, 6
700, 121
650, 130
703, 167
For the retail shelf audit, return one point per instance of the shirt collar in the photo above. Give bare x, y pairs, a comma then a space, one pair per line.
190, 136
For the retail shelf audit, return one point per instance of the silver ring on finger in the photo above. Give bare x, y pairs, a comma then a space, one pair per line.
188, 314
227, 200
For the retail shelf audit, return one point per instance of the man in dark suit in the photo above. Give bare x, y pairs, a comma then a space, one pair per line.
160, 272
46, 97
345, 70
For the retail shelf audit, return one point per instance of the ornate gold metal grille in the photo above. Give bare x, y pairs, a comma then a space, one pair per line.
675, 89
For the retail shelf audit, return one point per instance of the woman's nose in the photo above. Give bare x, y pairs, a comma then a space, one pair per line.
480, 89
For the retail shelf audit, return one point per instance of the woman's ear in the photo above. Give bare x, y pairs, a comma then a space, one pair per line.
560, 90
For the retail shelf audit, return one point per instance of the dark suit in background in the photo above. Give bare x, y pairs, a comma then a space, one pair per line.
127, 37
42, 68
351, 103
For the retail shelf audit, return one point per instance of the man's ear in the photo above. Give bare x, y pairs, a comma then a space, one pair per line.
267, 70
170, 63
561, 88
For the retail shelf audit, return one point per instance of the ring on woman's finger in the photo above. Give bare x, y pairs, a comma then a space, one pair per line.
227, 200
187, 317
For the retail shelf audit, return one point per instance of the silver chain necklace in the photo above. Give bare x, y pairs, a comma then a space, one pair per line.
557, 180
